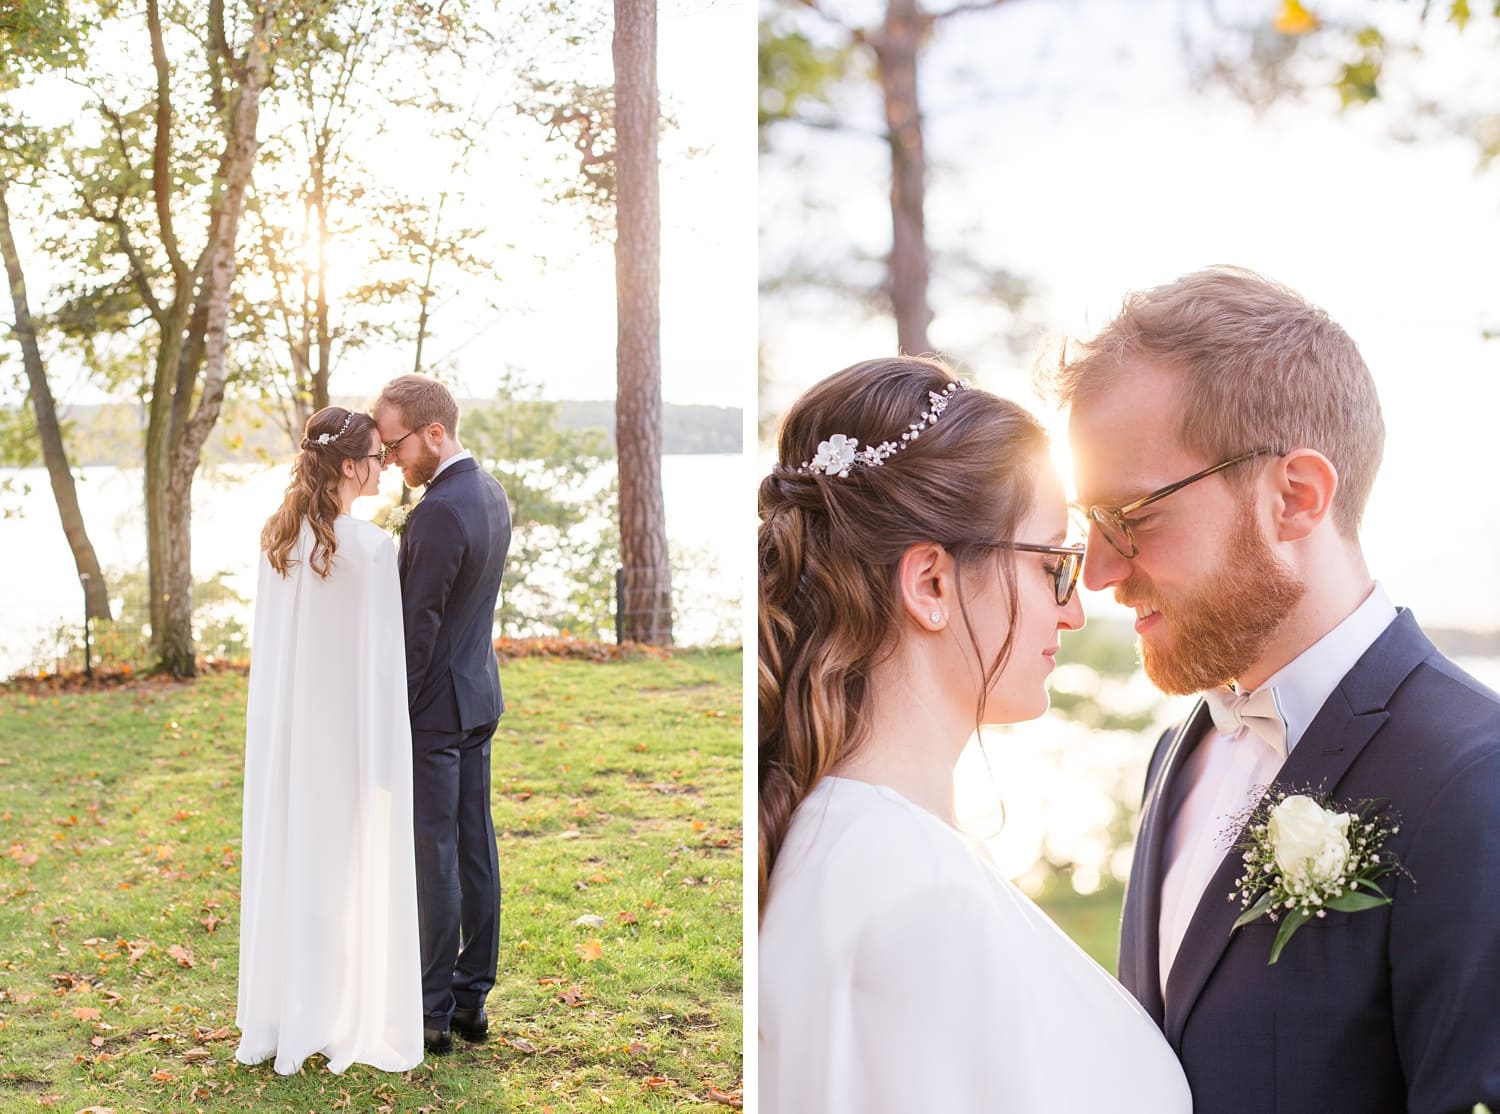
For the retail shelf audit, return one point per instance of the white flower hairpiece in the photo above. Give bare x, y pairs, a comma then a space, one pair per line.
325, 438
841, 452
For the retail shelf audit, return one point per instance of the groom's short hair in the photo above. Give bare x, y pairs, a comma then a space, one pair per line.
1261, 367
420, 400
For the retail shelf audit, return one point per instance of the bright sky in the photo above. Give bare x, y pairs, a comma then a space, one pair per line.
1068, 147
550, 310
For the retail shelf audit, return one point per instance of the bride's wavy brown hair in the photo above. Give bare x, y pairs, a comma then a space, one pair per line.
829, 547
313, 492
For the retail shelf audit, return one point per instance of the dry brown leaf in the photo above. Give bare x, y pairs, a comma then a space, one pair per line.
656, 1083
636, 1048
86, 1013
183, 956
590, 950
521, 1044
194, 1055
728, 1098
48, 1100
627, 918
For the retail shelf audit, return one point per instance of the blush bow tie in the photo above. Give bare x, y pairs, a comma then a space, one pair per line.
1258, 713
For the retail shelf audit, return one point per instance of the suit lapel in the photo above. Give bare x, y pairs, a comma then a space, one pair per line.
1146, 874
1332, 742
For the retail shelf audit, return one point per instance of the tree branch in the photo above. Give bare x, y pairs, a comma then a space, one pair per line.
161, 155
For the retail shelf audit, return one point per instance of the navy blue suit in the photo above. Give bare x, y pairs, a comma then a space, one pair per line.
451, 560
1384, 1011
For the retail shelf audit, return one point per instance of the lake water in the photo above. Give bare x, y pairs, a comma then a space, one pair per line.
708, 526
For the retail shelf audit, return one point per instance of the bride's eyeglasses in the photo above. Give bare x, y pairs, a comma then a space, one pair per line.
380, 456
1064, 572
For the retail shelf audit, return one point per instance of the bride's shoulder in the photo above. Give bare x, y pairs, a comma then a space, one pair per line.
361, 536
870, 829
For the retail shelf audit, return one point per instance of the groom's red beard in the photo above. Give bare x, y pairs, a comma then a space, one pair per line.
1220, 631
419, 472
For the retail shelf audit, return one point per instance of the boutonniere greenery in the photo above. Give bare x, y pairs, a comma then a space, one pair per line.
397, 516
1303, 857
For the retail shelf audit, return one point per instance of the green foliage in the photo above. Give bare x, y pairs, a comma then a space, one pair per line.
797, 74
616, 794
560, 571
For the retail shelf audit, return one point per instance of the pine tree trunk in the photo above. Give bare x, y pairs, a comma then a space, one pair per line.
647, 602
54, 454
896, 51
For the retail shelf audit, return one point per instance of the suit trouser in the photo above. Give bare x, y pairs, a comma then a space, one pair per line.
458, 870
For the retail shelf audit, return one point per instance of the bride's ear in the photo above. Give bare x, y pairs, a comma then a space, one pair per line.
927, 584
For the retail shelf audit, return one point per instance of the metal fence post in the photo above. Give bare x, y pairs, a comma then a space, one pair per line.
88, 665
619, 605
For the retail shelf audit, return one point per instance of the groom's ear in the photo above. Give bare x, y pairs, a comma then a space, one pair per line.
1305, 482
927, 584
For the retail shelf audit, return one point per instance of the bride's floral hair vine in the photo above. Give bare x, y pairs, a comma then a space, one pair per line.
328, 438
841, 452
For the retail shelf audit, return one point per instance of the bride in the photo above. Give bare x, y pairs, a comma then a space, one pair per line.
329, 959
913, 586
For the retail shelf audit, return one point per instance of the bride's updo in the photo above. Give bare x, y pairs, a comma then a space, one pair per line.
331, 436
830, 543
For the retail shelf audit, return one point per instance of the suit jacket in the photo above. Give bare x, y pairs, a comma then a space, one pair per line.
1391, 1009
451, 559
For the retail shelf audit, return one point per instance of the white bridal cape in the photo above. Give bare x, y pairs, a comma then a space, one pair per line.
329, 957
899, 972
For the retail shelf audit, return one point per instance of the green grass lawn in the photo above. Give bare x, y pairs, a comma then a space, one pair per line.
616, 798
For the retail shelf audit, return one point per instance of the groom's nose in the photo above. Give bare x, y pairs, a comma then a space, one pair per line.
1103, 567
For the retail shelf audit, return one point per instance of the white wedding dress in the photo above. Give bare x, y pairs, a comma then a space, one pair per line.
329, 955
901, 974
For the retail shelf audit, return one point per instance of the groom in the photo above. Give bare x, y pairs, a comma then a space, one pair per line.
1226, 435
452, 555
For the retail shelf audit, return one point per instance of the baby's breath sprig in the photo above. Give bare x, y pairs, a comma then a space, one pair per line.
1304, 857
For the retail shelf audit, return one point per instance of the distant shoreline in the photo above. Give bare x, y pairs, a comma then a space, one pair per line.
247, 432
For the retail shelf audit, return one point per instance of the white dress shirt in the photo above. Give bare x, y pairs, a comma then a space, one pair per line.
462, 454
1226, 774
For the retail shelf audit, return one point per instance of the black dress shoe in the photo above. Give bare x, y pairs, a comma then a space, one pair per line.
437, 1041
472, 1025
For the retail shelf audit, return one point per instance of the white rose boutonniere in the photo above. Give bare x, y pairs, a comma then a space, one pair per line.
1303, 857
395, 521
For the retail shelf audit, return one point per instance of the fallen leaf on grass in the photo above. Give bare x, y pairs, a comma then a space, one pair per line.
626, 917
183, 956
521, 1044
163, 1076
590, 950
194, 1055
728, 1098
602, 1097
548, 981
86, 1013
636, 1048
224, 1032
656, 1083
48, 1100
97, 1110
211, 922
97, 1042
572, 997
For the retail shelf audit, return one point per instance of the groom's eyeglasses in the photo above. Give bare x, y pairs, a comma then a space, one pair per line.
391, 446
1064, 573
1115, 527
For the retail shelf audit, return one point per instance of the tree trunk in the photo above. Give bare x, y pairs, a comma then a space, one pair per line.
169, 529
647, 602
896, 50
54, 455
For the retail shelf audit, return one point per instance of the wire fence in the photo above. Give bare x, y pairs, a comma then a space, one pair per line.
704, 610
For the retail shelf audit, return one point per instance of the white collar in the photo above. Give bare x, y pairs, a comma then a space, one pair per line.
462, 454
1306, 682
